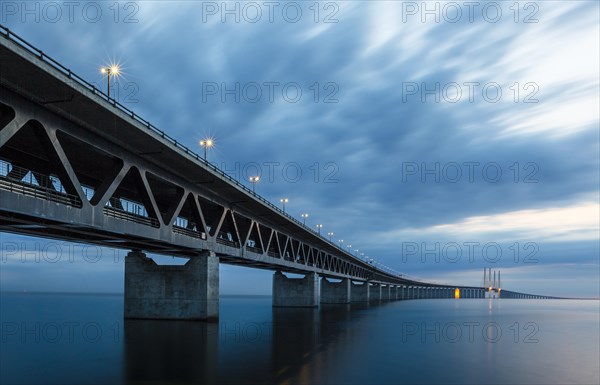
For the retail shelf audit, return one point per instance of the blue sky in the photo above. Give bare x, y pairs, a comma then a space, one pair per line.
431, 139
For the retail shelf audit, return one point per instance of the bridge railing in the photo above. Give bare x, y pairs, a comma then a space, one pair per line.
22, 181
11, 36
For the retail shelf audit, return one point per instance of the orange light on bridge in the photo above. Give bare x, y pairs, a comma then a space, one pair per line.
457, 293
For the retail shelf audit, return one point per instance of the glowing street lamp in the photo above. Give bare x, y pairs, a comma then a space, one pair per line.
304, 216
330, 235
254, 180
113, 70
207, 143
319, 227
341, 242
284, 201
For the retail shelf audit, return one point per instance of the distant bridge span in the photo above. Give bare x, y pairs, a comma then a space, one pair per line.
77, 165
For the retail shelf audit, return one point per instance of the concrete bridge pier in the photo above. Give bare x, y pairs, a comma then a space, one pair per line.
188, 292
375, 292
295, 292
359, 292
335, 292
385, 292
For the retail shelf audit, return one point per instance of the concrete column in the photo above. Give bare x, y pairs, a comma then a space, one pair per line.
188, 292
359, 292
385, 292
335, 292
396, 292
295, 292
375, 292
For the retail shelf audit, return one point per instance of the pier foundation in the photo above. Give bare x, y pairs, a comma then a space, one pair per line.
335, 292
188, 292
295, 292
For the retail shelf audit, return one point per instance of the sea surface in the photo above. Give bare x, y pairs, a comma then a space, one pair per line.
83, 339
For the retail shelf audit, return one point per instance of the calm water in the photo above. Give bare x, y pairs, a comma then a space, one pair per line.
82, 339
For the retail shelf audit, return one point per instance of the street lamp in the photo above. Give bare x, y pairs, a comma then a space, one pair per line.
113, 70
207, 143
341, 242
304, 216
254, 180
330, 235
284, 201
319, 226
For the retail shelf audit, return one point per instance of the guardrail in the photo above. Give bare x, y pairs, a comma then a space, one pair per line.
45, 193
188, 232
126, 215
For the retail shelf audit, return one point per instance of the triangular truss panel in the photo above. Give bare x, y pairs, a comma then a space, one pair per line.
254, 242
167, 196
29, 159
228, 233
274, 250
243, 226
189, 221
212, 214
131, 201
94, 168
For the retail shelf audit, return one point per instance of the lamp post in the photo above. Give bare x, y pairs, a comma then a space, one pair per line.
108, 71
284, 201
330, 235
340, 242
319, 227
207, 143
304, 216
254, 180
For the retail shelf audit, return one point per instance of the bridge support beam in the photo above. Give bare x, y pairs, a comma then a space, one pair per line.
335, 292
359, 292
295, 292
188, 292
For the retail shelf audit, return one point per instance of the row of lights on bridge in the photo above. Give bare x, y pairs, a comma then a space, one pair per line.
208, 143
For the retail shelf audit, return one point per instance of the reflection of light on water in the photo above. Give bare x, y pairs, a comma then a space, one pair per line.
457, 293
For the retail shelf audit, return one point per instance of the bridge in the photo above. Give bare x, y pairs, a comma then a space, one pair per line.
77, 165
